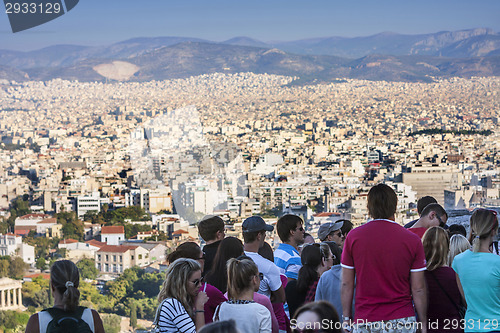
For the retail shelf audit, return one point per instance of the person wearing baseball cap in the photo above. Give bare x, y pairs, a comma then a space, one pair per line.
254, 236
330, 232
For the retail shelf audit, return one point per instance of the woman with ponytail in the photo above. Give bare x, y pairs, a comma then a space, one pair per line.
316, 259
478, 274
243, 280
64, 283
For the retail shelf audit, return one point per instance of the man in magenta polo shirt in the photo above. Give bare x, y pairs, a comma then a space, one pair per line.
388, 263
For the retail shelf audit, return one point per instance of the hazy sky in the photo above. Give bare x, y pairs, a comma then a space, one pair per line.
99, 22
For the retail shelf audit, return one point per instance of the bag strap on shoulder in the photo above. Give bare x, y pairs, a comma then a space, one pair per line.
58, 313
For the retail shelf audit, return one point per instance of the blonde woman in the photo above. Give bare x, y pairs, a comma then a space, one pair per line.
181, 301
444, 299
64, 283
458, 244
478, 274
243, 279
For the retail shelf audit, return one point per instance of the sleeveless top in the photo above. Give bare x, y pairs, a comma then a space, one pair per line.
44, 319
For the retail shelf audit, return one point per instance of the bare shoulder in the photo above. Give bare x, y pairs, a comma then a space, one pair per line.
98, 326
32, 326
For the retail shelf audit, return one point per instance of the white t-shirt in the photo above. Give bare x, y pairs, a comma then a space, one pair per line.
249, 318
272, 280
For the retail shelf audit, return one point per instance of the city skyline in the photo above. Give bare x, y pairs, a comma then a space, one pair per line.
91, 23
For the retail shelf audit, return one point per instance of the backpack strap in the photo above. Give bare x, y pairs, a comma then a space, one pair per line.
59, 314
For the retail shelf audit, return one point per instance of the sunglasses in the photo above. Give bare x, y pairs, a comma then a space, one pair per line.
338, 234
441, 223
261, 276
299, 229
197, 281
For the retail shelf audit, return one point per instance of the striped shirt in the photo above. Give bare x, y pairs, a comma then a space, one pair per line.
287, 258
173, 317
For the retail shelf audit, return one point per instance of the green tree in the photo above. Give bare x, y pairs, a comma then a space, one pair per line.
87, 269
133, 315
17, 268
41, 263
4, 266
111, 323
13, 321
72, 227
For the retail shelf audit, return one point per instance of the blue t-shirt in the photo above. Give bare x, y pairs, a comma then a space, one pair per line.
479, 275
287, 258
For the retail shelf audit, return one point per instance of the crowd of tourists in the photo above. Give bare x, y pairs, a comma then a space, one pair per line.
379, 277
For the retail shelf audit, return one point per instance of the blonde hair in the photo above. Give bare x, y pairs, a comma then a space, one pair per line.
177, 277
436, 247
65, 278
482, 222
240, 273
458, 244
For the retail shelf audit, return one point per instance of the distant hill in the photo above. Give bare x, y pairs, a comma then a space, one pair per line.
385, 56
446, 44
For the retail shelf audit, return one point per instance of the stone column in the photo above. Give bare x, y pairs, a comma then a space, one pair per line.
9, 304
20, 298
2, 300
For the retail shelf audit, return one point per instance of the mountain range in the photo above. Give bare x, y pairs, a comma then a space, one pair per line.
385, 56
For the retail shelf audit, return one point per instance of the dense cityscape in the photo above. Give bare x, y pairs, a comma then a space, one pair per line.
117, 174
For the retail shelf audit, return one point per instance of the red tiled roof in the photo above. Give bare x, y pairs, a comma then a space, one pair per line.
116, 229
34, 215
21, 232
180, 231
96, 243
51, 220
117, 248
325, 214
68, 241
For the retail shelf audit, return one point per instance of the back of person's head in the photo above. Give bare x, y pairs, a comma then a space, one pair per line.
65, 278
250, 237
223, 326
285, 224
458, 244
482, 223
346, 227
308, 238
325, 312
240, 272
209, 226
189, 250
336, 252
311, 257
229, 247
177, 277
382, 202
436, 208
423, 202
457, 229
436, 247
266, 251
